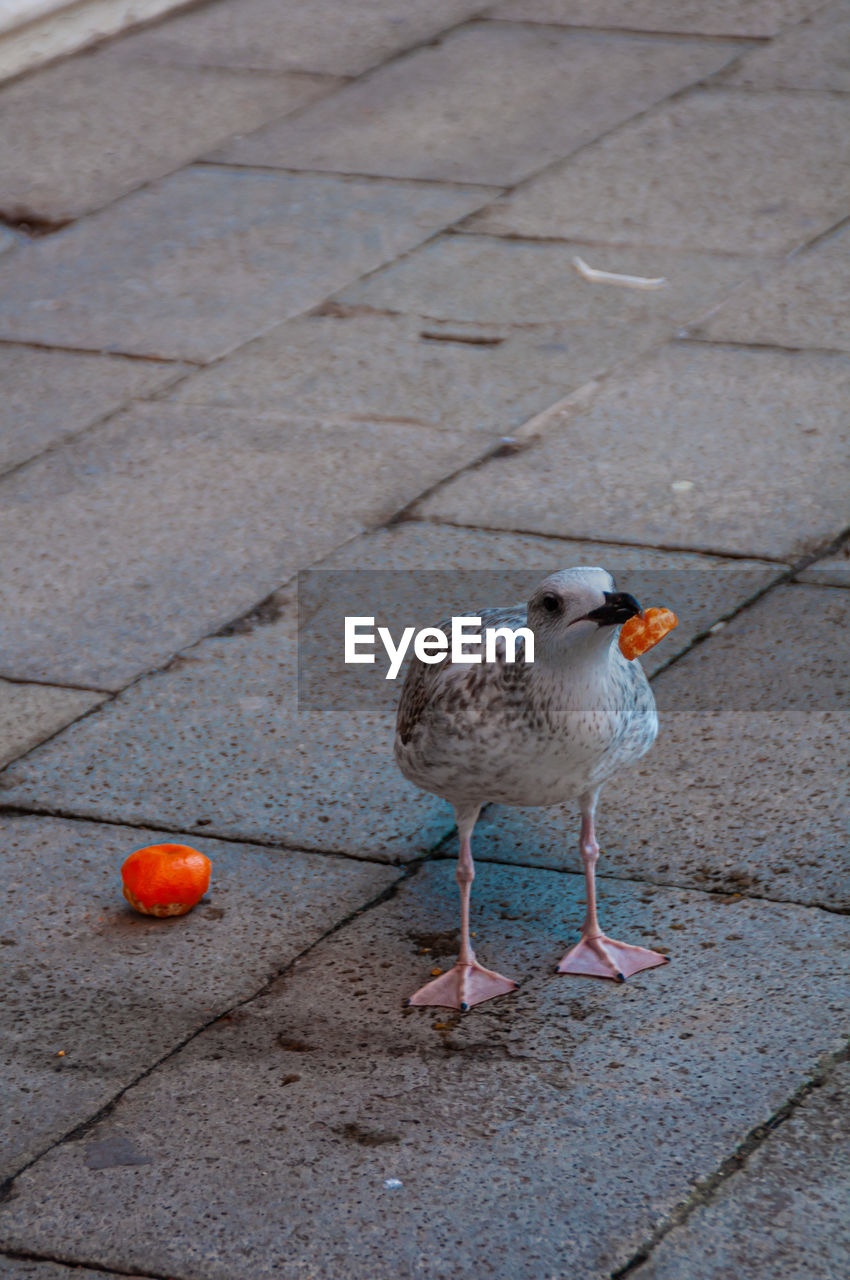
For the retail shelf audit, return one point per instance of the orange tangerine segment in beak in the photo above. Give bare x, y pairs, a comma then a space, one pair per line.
644, 630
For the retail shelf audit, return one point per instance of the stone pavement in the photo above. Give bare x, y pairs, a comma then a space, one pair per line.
277, 281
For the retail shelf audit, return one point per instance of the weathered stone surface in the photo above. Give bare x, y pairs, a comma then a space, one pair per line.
481, 278
7, 240
95, 994
784, 1213
756, 434
722, 169
352, 366
216, 741
356, 366
339, 37
717, 17
29, 713
744, 790
165, 522
518, 1135
211, 257
811, 56
443, 112
92, 128
48, 395
804, 303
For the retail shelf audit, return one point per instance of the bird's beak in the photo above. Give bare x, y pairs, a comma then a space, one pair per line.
619, 606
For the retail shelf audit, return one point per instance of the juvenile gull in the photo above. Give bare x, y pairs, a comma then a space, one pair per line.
531, 733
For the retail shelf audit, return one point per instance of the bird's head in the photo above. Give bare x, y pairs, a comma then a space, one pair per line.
578, 609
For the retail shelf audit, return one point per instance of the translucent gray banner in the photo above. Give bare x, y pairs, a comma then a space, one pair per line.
398, 599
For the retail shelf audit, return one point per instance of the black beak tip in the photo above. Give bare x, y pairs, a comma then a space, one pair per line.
619, 606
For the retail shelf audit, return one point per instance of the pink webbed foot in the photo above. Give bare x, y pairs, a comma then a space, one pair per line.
601, 957
463, 986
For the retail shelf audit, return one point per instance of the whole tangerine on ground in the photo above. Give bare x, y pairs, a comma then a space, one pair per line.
165, 879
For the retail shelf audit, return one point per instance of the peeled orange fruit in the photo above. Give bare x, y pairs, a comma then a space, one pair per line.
165, 879
643, 631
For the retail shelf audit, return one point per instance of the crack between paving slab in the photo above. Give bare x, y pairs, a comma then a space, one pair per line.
123, 407
740, 255
693, 337
105, 353
718, 82
732, 895
706, 1188
99, 1268
690, 331
108, 697
495, 188
54, 684
436, 851
36, 810
648, 33
820, 237
338, 309
822, 586
497, 450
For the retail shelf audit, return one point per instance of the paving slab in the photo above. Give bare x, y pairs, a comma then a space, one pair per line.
95, 994
351, 365
479, 279
443, 113
804, 303
706, 483
161, 524
218, 740
814, 55
744, 790
210, 257
719, 169
341, 1135
29, 713
91, 128
50, 395
717, 17
337, 37
784, 1214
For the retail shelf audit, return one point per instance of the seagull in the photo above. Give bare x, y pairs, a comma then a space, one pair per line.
531, 732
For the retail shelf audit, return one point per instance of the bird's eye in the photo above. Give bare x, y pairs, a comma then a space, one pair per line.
551, 604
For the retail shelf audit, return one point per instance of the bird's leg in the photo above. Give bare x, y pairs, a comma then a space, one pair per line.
596, 955
468, 982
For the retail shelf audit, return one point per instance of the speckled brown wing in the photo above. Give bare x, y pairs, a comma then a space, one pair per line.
416, 691
451, 686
